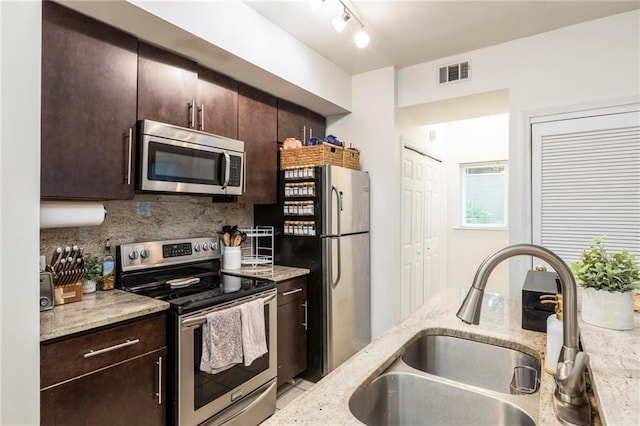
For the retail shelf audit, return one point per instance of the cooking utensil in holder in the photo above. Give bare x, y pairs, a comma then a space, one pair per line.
525, 380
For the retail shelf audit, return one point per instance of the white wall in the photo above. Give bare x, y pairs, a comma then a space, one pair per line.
586, 63
467, 141
370, 127
19, 212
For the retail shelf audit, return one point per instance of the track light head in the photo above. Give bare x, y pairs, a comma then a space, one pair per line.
315, 4
340, 21
361, 38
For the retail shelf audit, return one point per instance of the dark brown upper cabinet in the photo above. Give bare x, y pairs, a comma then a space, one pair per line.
89, 73
167, 87
257, 127
176, 90
297, 122
217, 105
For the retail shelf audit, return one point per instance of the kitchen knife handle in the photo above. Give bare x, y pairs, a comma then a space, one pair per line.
201, 117
159, 394
111, 348
127, 176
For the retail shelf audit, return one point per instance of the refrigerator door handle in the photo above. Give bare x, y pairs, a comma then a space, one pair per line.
339, 199
334, 284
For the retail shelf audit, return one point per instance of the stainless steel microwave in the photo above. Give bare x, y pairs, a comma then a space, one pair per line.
181, 160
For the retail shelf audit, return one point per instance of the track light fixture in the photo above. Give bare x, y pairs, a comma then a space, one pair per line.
340, 22
361, 38
315, 4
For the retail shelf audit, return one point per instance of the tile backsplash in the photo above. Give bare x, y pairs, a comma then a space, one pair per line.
149, 218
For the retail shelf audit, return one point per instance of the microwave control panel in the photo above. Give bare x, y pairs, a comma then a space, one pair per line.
235, 170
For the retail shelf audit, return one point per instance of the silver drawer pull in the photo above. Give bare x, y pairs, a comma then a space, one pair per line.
111, 348
297, 290
159, 394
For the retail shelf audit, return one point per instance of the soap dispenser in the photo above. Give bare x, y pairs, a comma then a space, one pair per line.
554, 333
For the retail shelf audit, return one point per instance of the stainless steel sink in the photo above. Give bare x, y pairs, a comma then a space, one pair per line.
474, 363
445, 380
403, 398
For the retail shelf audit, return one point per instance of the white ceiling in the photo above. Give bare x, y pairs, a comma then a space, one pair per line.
405, 33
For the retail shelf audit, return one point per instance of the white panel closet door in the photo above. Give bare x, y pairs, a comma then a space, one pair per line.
586, 183
413, 202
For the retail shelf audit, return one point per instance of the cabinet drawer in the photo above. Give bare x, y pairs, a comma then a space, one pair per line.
294, 288
76, 356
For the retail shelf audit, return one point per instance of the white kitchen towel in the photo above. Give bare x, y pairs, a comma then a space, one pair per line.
221, 341
254, 337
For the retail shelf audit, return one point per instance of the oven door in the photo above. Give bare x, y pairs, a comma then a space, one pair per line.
169, 165
241, 392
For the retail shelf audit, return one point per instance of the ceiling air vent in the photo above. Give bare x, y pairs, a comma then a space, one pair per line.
454, 72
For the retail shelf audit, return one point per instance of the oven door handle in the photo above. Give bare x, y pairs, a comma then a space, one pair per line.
255, 402
202, 319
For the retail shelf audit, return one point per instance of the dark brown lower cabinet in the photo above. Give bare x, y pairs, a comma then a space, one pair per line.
292, 333
122, 394
115, 376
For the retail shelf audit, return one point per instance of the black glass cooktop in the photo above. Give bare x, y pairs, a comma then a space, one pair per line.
192, 287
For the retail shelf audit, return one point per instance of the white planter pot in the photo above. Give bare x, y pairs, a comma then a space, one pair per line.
606, 309
88, 286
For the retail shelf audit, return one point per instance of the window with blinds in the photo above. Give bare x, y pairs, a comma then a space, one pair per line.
587, 183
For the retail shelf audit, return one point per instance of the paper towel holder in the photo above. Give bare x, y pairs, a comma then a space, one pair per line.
68, 214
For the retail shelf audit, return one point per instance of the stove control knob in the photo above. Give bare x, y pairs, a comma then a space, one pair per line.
144, 253
196, 247
133, 255
205, 246
214, 245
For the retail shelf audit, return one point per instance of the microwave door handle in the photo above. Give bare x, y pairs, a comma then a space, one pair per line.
227, 169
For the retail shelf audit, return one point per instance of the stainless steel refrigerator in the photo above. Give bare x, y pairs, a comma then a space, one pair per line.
334, 245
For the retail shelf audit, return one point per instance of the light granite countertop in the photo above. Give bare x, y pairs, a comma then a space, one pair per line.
276, 273
614, 362
96, 310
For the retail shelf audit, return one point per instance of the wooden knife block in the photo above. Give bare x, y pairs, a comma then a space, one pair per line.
67, 293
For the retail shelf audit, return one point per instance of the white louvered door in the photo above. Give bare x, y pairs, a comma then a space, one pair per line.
586, 183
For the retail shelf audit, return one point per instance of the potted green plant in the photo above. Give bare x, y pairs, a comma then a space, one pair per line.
93, 274
608, 281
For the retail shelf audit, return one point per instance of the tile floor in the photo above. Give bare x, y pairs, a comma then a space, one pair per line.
290, 391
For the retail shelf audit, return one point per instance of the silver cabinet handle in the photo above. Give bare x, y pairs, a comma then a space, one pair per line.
111, 348
310, 132
305, 315
201, 117
192, 114
127, 176
297, 290
159, 394
304, 134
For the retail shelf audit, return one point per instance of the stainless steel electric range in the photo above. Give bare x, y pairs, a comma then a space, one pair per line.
186, 273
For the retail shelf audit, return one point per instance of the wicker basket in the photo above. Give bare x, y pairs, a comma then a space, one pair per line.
311, 156
351, 159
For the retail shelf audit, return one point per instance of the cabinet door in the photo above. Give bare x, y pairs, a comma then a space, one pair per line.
257, 127
291, 122
123, 394
167, 85
316, 125
292, 335
217, 104
88, 105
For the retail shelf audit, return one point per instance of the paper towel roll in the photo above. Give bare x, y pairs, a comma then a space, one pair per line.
64, 214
